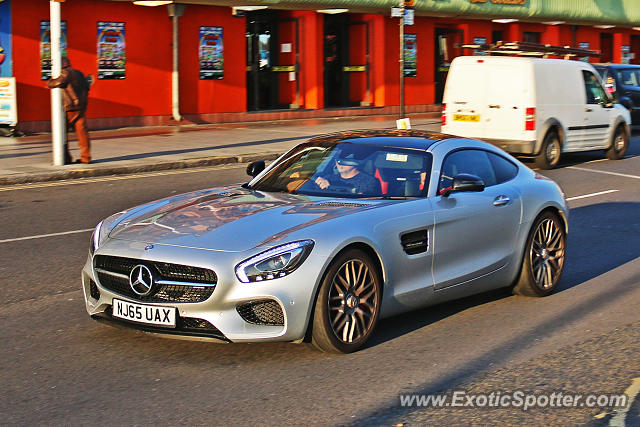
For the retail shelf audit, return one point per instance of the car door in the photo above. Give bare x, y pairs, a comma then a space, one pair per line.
475, 232
595, 132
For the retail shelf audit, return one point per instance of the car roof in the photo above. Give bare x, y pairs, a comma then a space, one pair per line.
412, 139
616, 65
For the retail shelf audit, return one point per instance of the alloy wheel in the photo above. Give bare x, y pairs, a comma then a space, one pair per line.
547, 254
353, 301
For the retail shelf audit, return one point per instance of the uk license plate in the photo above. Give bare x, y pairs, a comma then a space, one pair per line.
143, 313
466, 118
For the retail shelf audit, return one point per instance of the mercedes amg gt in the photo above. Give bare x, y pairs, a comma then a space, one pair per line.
337, 233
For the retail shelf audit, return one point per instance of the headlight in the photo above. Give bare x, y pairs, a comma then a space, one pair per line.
277, 262
102, 230
96, 238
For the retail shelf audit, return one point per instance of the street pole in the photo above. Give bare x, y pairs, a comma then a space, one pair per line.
175, 76
58, 120
402, 59
175, 12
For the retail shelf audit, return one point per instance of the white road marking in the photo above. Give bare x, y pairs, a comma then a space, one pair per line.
584, 196
604, 172
117, 177
618, 419
17, 239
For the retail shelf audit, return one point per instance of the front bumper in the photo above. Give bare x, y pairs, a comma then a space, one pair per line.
217, 318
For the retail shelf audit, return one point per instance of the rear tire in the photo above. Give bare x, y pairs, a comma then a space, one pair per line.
549, 155
348, 304
544, 255
619, 144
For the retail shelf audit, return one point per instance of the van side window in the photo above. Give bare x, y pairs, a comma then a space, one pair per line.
474, 162
594, 90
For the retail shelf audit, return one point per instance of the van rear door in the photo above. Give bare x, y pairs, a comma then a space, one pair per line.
509, 87
465, 96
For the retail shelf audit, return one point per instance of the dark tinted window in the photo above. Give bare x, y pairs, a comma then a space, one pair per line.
503, 168
628, 77
474, 162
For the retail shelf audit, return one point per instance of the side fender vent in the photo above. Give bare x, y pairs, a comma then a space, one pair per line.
415, 242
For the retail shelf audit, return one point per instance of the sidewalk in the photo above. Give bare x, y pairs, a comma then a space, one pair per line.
130, 150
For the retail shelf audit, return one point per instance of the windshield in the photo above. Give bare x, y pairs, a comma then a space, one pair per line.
348, 169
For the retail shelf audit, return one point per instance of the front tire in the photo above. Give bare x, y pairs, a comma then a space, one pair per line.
619, 144
544, 255
348, 304
549, 155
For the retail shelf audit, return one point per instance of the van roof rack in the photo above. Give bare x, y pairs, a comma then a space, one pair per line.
531, 49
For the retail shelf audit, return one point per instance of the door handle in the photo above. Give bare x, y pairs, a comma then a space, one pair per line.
501, 201
493, 106
588, 110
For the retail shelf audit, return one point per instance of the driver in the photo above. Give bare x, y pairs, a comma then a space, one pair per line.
349, 175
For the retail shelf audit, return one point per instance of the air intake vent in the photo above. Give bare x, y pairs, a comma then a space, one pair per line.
264, 312
415, 242
343, 205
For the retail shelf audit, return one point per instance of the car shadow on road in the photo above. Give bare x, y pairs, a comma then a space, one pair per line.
598, 243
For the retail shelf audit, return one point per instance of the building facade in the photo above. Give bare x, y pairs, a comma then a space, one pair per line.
261, 60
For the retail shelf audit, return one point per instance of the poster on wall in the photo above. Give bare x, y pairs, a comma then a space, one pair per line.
479, 41
584, 45
627, 56
5, 39
8, 108
410, 55
45, 47
112, 57
211, 53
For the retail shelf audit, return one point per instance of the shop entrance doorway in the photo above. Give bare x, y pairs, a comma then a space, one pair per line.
606, 47
448, 45
262, 39
272, 61
346, 62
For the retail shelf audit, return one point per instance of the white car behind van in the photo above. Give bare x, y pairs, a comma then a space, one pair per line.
533, 107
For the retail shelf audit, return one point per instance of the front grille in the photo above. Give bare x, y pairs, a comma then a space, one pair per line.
264, 312
197, 324
188, 326
190, 292
93, 290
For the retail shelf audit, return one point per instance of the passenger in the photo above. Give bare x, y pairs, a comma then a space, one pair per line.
349, 176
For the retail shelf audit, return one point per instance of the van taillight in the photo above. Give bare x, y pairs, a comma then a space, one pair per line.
443, 115
530, 119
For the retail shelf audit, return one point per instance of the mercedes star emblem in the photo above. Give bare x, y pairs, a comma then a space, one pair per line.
141, 280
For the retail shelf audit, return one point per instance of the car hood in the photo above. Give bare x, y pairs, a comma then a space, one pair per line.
232, 219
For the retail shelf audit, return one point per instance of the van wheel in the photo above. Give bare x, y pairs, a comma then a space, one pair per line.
619, 144
544, 255
549, 156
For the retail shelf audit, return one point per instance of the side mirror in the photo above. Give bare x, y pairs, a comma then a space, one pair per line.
255, 168
464, 182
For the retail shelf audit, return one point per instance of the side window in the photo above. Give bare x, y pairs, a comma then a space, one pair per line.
474, 162
503, 168
628, 77
594, 90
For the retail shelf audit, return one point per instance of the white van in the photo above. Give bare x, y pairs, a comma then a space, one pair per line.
533, 107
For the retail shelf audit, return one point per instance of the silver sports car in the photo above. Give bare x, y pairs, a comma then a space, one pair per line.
338, 232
